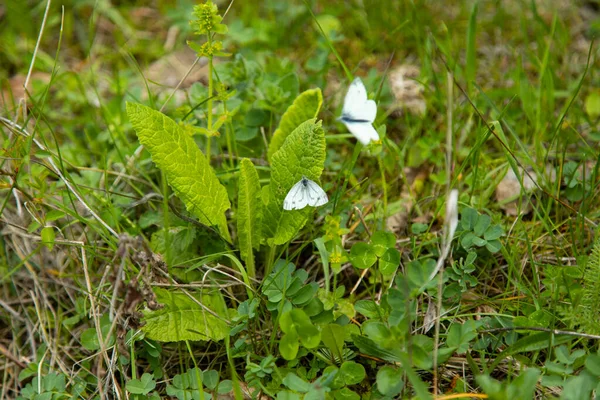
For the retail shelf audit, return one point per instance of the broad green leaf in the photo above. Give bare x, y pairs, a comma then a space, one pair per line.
376, 330
592, 363
332, 336
418, 273
353, 372
53, 215
345, 394
479, 242
48, 237
305, 107
523, 387
189, 174
225, 386
468, 218
296, 383
144, 385
362, 255
287, 395
302, 154
422, 348
562, 355
249, 213
418, 228
483, 222
493, 246
289, 345
382, 241
575, 388
309, 335
389, 261
493, 232
210, 379
183, 318
296, 321
370, 347
592, 104
389, 381
89, 337
466, 240
459, 336
368, 308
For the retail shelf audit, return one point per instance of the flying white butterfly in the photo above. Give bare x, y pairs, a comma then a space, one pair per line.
304, 193
359, 113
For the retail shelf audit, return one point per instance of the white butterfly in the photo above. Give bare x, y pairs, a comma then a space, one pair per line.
359, 113
304, 193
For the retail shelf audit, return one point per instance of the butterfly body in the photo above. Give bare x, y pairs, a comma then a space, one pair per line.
304, 193
359, 113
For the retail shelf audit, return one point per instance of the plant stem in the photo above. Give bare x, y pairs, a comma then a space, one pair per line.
357, 148
229, 137
166, 224
270, 260
384, 184
210, 101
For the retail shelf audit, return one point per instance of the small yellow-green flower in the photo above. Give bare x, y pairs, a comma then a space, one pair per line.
208, 49
207, 19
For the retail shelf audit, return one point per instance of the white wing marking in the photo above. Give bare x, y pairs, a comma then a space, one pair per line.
303, 193
318, 197
359, 113
363, 131
293, 196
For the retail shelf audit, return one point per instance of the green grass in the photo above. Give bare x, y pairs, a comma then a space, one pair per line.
110, 287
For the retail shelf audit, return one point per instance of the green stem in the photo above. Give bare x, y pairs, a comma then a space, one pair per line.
210, 101
384, 184
133, 366
229, 137
357, 148
237, 392
166, 224
270, 260
198, 371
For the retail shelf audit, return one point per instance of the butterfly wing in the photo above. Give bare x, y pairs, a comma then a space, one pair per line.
316, 195
359, 113
363, 131
297, 197
356, 104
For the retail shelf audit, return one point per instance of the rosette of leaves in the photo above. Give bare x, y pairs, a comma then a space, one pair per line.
382, 249
577, 187
333, 380
190, 384
297, 329
461, 273
256, 373
478, 231
286, 284
335, 301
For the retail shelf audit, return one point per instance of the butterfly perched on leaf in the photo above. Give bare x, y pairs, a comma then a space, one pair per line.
305, 193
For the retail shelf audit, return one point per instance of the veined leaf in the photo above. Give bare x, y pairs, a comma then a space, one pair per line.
182, 318
249, 213
304, 107
189, 174
332, 336
302, 154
